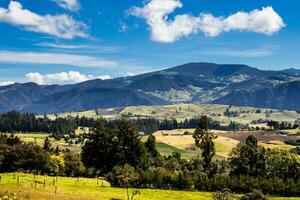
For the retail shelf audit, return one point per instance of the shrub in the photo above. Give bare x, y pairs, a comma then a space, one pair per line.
255, 195
225, 194
122, 176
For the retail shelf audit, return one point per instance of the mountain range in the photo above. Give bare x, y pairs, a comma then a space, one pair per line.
229, 84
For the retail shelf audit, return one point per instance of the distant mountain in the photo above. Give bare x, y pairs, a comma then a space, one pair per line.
190, 83
292, 71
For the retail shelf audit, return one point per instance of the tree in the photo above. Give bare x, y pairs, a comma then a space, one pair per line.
73, 165
57, 165
204, 140
283, 164
248, 158
47, 144
124, 176
151, 146
115, 144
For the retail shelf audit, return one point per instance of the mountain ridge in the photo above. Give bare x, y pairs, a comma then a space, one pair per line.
201, 82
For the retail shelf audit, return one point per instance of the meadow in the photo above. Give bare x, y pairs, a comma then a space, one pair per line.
31, 187
187, 111
174, 140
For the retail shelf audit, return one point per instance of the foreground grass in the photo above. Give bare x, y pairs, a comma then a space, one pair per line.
30, 187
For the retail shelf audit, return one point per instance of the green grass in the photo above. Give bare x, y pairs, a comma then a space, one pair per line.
38, 138
30, 187
85, 189
222, 148
165, 149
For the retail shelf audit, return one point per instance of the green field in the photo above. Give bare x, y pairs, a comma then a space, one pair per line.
187, 111
30, 187
84, 189
165, 149
39, 139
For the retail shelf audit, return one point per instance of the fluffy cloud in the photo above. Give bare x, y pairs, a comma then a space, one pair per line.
72, 5
155, 12
62, 26
55, 59
5, 83
61, 78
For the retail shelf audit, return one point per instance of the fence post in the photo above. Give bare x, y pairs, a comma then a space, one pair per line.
18, 179
35, 183
44, 183
55, 189
53, 181
14, 175
0, 178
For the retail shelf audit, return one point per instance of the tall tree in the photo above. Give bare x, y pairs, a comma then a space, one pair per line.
204, 139
117, 144
47, 144
248, 158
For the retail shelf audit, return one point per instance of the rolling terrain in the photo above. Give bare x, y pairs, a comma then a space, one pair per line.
207, 83
180, 112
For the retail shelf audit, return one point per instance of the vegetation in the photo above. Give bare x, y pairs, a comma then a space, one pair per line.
204, 140
115, 150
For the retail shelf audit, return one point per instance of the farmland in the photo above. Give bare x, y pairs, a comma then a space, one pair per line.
224, 142
28, 186
245, 115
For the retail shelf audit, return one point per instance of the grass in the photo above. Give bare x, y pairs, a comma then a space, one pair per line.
166, 149
84, 189
30, 187
187, 111
183, 143
38, 138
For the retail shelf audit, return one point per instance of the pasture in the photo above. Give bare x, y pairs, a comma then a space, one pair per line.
224, 142
31, 187
186, 111
28, 186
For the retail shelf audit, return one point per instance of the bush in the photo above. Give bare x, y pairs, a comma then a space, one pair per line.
225, 194
255, 195
122, 176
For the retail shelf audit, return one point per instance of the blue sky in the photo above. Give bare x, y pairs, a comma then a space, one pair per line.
68, 41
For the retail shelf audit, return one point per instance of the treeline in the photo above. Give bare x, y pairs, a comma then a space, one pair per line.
150, 125
282, 125
13, 122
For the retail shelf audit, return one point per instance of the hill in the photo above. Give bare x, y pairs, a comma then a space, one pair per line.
208, 83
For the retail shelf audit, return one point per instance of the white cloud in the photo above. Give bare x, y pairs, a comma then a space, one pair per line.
55, 59
72, 5
62, 26
70, 77
155, 12
5, 83
78, 47
103, 77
